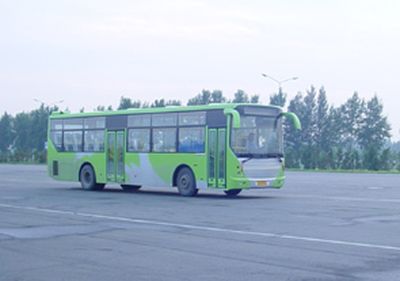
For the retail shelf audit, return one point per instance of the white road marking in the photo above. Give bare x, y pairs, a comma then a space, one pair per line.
375, 187
206, 228
342, 198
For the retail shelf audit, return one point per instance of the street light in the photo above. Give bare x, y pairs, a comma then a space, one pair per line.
48, 104
279, 82
280, 95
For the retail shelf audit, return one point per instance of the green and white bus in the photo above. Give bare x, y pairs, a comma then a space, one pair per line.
229, 147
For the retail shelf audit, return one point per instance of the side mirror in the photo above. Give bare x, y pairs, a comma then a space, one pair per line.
235, 117
292, 116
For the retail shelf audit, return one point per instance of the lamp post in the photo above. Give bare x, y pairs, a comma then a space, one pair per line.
279, 82
48, 104
280, 98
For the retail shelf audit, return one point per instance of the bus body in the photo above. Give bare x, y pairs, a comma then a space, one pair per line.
222, 146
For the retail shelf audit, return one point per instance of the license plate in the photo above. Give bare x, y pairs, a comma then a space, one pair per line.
262, 183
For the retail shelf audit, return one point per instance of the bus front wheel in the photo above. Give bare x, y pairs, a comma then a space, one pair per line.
232, 192
186, 182
87, 178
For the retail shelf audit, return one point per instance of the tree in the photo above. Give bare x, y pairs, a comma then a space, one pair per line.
38, 131
6, 132
23, 145
352, 114
163, 103
158, 103
39, 119
6, 136
278, 99
323, 132
103, 108
255, 99
217, 97
351, 160
345, 126
309, 129
173, 102
240, 97
293, 137
398, 161
339, 158
385, 160
206, 97
373, 134
203, 98
126, 103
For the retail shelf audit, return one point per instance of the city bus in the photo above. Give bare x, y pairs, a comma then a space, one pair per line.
229, 147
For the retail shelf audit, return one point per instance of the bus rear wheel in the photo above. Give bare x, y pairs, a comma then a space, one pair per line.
130, 187
186, 182
232, 192
87, 178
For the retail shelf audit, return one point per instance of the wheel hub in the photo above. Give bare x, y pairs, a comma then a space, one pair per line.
185, 182
87, 177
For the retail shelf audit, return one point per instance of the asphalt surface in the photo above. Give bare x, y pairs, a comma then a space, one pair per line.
320, 226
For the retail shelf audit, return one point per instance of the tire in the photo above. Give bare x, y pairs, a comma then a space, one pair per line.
232, 192
130, 187
87, 178
186, 182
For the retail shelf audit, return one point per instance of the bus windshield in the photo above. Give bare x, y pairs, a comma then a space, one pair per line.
258, 137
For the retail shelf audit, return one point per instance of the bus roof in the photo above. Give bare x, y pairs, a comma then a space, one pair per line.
61, 114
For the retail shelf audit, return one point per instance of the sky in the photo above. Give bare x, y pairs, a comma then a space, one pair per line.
90, 53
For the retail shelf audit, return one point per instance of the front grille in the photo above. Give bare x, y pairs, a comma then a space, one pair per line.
261, 168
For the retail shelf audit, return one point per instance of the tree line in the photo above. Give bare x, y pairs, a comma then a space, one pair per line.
23, 136
351, 136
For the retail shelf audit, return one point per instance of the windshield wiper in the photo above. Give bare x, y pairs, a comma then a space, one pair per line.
248, 157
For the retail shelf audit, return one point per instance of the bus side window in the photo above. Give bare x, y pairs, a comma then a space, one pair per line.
164, 119
94, 141
192, 118
191, 139
56, 139
139, 140
73, 141
164, 139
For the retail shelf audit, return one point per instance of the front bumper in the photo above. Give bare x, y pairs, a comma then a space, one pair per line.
257, 183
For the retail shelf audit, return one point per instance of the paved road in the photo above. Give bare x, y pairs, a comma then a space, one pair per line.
318, 227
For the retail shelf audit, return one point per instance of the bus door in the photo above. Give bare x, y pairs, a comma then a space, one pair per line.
115, 156
216, 157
